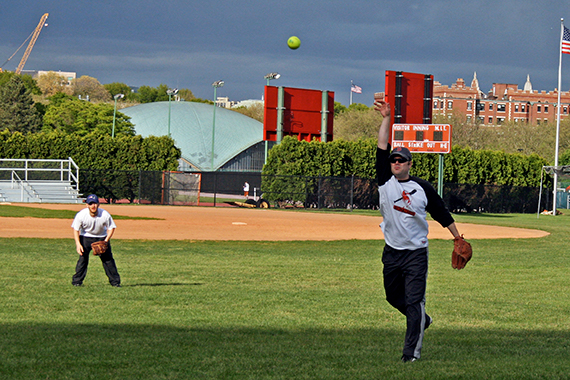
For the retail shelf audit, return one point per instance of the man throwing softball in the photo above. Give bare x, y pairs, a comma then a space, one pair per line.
91, 226
404, 203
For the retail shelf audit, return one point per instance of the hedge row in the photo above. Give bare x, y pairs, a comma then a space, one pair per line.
94, 151
341, 158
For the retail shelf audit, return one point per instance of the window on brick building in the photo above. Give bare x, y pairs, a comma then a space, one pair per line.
537, 121
449, 105
516, 108
500, 120
538, 108
522, 108
565, 109
435, 104
490, 119
545, 109
490, 106
481, 119
469, 106
501, 107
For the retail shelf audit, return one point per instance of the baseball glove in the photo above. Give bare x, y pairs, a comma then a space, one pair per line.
99, 247
462, 253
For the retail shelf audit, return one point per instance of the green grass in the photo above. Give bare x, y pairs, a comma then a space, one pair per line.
284, 310
31, 212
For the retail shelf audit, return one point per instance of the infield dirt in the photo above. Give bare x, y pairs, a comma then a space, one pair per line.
225, 223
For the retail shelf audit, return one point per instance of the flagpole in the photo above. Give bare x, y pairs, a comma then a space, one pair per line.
351, 84
558, 119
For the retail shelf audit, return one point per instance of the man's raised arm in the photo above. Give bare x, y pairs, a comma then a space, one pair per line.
384, 130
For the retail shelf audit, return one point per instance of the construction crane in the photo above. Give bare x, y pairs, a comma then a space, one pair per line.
33, 38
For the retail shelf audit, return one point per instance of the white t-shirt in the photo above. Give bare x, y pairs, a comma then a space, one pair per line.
90, 226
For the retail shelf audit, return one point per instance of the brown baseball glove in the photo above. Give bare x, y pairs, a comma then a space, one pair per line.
99, 247
462, 253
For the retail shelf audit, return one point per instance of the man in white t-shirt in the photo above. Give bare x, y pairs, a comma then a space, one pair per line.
90, 225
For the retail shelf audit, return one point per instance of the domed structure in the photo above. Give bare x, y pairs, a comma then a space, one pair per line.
238, 140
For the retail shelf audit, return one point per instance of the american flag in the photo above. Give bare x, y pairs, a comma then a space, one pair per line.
358, 89
566, 41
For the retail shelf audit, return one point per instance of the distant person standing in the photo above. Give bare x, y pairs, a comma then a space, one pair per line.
246, 189
90, 225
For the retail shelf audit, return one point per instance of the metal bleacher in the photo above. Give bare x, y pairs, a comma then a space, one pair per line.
39, 181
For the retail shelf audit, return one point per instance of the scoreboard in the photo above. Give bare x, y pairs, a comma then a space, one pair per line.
422, 138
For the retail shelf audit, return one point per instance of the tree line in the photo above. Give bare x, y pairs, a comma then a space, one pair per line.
53, 103
50, 119
341, 158
360, 122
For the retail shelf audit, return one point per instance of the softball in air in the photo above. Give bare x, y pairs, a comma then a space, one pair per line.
293, 42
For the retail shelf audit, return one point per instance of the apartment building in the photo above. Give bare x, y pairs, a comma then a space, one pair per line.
504, 102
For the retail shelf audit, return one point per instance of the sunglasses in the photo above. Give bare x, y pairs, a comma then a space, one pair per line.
399, 160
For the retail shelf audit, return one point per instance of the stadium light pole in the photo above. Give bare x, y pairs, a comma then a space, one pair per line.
216, 84
271, 76
170, 93
116, 97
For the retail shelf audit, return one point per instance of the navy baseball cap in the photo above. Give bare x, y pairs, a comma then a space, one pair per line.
92, 198
402, 152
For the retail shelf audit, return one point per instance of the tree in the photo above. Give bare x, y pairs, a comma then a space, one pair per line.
358, 107
89, 88
467, 133
121, 88
147, 94
200, 100
161, 94
564, 158
72, 115
17, 110
185, 94
255, 111
358, 122
338, 108
29, 82
510, 137
52, 83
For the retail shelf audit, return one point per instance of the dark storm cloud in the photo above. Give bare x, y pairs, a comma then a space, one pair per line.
190, 44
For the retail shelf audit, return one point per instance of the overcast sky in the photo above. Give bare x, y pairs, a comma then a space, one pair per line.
190, 43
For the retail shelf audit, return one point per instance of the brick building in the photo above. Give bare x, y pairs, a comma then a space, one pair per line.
505, 102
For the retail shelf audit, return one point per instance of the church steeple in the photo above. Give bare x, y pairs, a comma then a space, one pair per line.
528, 85
475, 82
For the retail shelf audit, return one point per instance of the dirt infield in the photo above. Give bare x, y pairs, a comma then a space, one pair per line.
223, 223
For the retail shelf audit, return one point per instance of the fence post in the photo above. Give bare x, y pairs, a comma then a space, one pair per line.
215, 187
306, 192
140, 186
319, 193
351, 191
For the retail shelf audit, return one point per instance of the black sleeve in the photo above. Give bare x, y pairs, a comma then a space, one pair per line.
383, 170
435, 206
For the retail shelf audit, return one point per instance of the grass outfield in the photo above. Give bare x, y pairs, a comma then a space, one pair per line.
284, 310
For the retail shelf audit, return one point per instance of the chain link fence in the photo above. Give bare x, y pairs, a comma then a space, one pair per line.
216, 188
